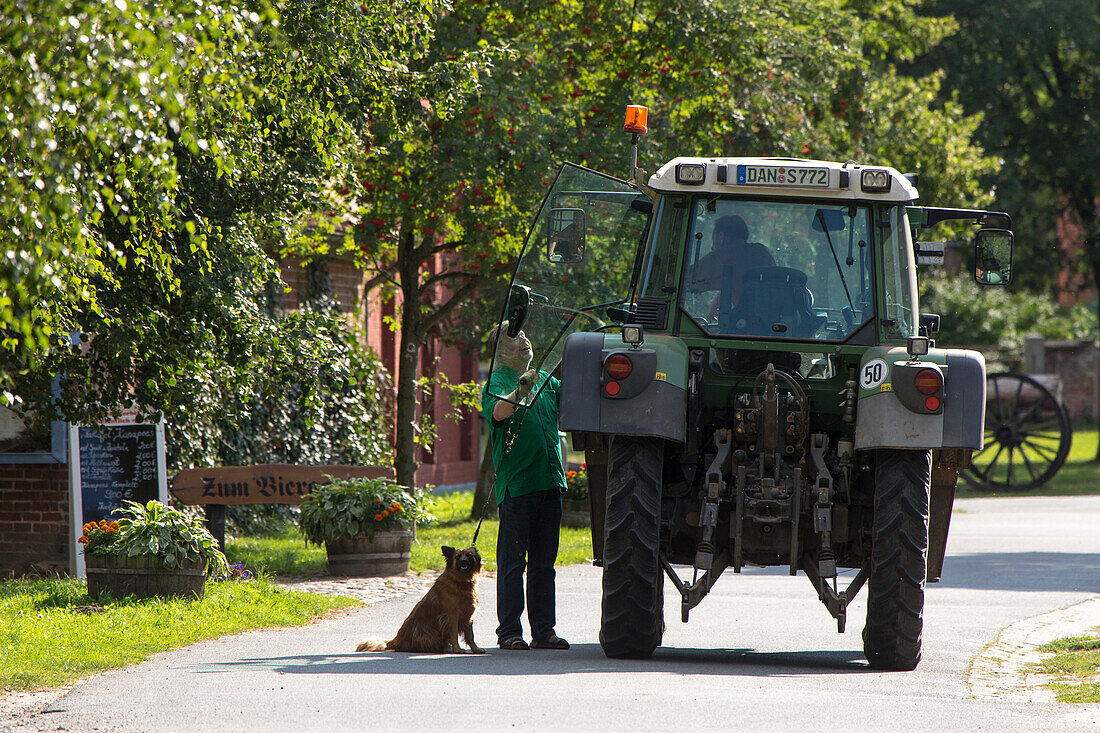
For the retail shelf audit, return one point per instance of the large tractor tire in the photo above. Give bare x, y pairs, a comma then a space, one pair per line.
632, 621
899, 558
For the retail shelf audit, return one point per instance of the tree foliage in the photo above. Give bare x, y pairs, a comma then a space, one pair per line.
153, 155
982, 316
1032, 70
731, 77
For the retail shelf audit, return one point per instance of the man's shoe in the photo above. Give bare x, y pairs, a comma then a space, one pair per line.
551, 642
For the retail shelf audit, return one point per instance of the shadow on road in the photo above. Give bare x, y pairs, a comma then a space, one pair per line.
580, 659
1023, 571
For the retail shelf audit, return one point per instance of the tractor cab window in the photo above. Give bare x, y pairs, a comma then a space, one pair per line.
578, 259
779, 269
899, 278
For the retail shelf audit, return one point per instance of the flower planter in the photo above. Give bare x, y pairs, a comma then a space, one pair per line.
143, 576
574, 513
387, 554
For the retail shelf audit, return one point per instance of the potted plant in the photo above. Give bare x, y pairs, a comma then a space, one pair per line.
365, 524
574, 502
150, 550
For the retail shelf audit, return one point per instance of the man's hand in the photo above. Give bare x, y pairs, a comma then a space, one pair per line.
526, 383
504, 408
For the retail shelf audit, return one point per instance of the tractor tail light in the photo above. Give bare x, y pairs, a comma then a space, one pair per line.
618, 366
928, 381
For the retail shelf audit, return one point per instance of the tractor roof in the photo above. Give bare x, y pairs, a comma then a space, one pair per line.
783, 177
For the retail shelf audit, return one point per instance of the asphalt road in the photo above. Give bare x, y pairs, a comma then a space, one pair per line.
760, 653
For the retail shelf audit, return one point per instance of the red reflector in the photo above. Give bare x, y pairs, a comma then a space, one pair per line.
928, 381
618, 366
932, 403
612, 388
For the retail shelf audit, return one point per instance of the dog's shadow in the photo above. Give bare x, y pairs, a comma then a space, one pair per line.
579, 659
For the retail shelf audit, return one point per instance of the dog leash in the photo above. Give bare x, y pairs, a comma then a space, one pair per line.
512, 433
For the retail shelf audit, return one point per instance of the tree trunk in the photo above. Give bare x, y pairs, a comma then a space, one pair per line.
1096, 283
485, 484
408, 363
404, 463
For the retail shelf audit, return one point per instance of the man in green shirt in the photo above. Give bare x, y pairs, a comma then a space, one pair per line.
529, 484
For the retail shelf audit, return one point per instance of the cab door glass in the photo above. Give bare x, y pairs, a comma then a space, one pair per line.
577, 260
899, 277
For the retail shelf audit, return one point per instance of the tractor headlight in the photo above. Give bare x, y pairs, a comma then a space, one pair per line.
632, 335
874, 180
691, 174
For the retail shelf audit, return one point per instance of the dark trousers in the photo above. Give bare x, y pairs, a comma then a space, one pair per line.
527, 539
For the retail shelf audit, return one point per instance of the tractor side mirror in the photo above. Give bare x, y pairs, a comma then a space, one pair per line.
565, 235
518, 304
993, 256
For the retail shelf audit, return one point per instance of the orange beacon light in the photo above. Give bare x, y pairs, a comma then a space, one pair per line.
636, 118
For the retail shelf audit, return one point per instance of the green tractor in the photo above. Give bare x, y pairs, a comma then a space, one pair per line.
745, 366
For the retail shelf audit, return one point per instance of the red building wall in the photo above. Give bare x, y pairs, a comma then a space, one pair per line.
453, 460
34, 518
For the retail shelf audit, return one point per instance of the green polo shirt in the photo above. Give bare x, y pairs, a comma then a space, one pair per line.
533, 463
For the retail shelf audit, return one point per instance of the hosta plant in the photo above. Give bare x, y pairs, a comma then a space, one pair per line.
156, 529
348, 508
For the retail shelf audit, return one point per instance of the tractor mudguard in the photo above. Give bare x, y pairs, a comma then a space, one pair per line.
650, 401
889, 415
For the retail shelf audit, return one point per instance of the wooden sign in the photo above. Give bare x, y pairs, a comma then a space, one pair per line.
273, 483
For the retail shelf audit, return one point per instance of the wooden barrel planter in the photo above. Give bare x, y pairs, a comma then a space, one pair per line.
387, 554
143, 577
574, 513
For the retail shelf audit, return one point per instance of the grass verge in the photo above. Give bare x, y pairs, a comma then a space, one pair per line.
286, 553
1074, 663
52, 633
1077, 477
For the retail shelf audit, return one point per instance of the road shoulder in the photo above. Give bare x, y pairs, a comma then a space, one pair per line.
1004, 669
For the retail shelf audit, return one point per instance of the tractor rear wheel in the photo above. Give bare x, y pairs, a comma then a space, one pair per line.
899, 559
632, 621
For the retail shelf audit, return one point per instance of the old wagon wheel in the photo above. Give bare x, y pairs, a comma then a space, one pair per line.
1027, 435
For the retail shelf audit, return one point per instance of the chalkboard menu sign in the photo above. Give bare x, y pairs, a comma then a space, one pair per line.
113, 463
117, 463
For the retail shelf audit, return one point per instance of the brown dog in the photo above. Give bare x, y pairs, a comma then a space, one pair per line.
445, 610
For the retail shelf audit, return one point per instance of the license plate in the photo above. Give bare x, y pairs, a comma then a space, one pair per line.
776, 175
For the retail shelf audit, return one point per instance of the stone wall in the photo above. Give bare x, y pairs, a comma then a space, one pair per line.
1075, 362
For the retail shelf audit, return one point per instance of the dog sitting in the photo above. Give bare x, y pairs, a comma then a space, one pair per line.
444, 611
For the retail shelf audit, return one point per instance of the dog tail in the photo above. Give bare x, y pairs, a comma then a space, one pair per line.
372, 645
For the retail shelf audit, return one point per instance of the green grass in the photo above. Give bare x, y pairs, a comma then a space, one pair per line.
456, 529
286, 553
51, 633
1073, 662
1078, 476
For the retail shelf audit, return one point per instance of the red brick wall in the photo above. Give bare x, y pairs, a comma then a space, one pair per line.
34, 518
454, 457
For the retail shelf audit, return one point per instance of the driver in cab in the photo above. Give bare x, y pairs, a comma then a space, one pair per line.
731, 255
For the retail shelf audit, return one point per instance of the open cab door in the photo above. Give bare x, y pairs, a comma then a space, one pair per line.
578, 260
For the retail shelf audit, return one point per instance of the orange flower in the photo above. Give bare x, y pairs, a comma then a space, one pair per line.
385, 513
378, 517
377, 501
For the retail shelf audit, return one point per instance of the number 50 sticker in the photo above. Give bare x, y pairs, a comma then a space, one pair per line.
874, 373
